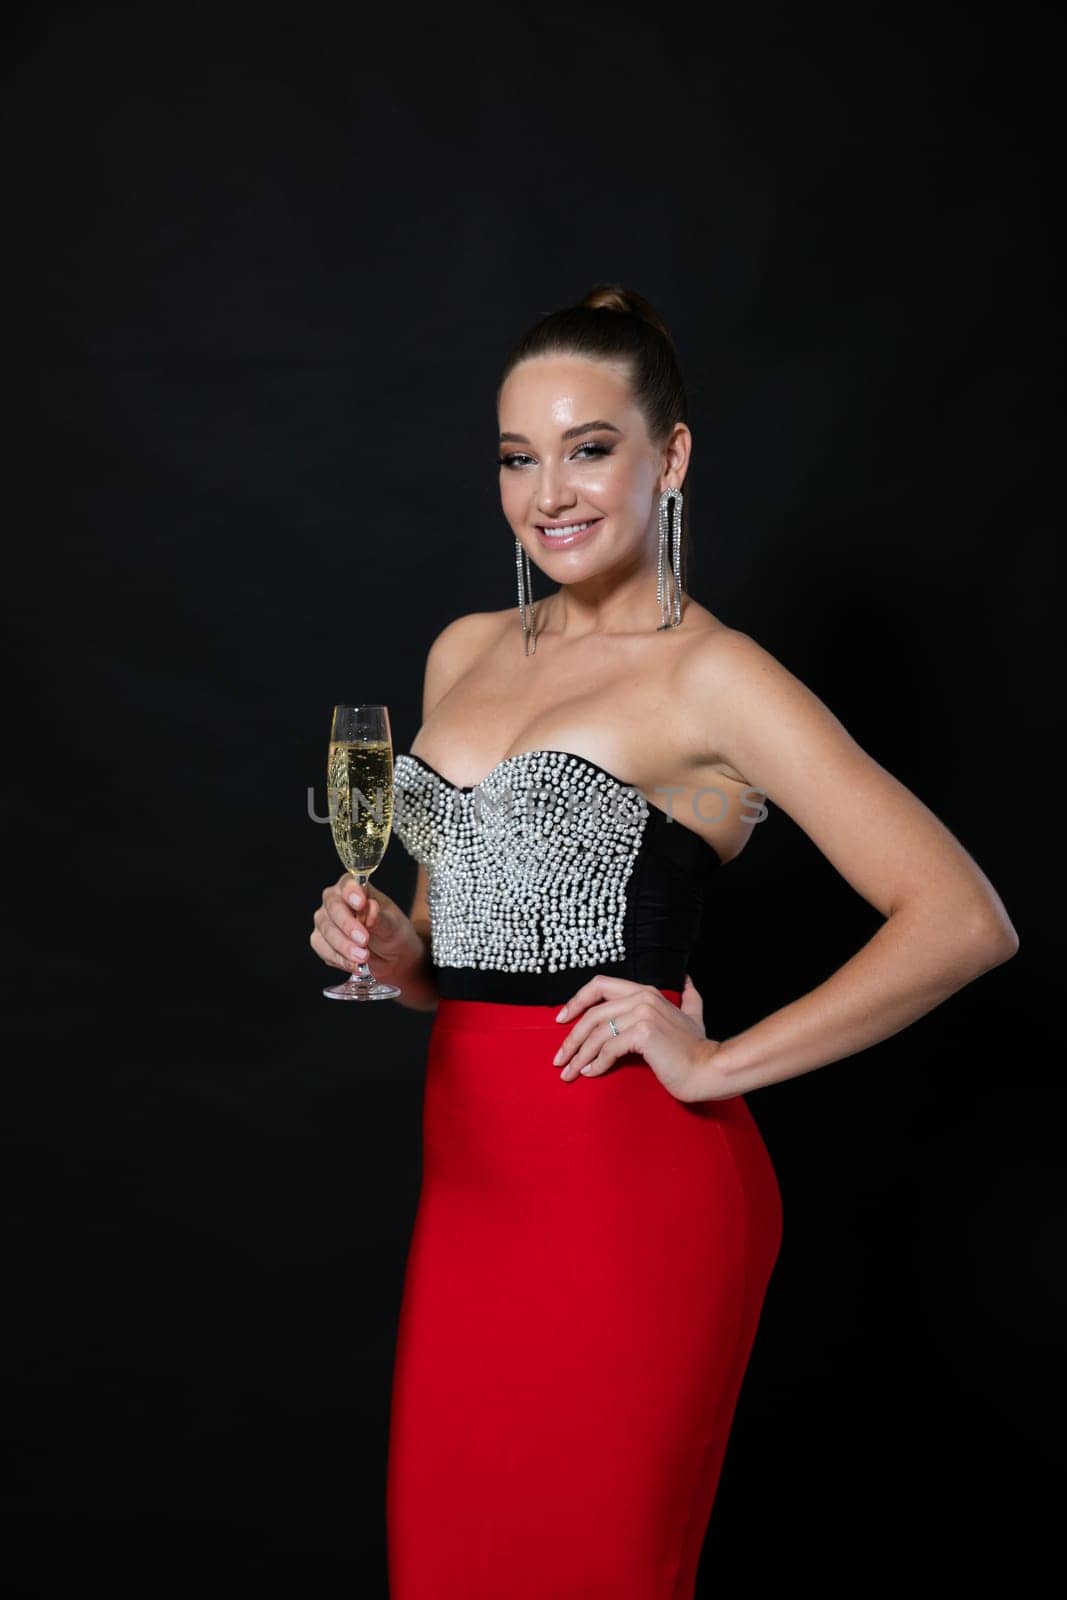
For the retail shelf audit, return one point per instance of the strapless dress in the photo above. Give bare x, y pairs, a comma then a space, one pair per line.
589, 1259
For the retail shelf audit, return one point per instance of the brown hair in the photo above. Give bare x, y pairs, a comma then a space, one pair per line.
613, 323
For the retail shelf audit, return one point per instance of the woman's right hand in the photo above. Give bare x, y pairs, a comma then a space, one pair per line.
356, 917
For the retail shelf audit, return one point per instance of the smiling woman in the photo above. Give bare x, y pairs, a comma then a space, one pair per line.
562, 535
648, 404
599, 1217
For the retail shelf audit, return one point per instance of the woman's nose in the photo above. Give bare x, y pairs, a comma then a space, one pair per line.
553, 494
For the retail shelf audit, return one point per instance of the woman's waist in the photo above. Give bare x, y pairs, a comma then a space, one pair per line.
509, 1016
548, 988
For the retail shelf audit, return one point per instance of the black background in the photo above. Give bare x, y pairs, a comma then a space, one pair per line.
270, 260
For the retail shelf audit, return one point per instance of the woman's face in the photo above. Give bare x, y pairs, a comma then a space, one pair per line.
557, 471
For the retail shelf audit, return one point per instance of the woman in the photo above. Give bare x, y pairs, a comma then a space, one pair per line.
588, 1265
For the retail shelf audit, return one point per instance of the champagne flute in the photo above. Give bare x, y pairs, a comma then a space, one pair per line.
359, 792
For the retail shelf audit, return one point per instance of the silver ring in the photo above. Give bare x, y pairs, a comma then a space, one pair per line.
612, 1025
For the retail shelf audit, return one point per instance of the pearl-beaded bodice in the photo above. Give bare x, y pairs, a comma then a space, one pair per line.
549, 870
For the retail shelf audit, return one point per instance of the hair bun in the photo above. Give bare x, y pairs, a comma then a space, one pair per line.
609, 297
616, 297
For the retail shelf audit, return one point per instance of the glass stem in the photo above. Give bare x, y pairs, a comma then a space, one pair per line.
363, 974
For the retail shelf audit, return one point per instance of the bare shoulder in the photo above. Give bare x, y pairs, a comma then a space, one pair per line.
718, 656
466, 634
761, 717
459, 645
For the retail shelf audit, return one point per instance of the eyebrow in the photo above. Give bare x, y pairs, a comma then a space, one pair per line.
570, 433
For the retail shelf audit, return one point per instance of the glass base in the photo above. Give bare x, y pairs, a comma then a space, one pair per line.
359, 989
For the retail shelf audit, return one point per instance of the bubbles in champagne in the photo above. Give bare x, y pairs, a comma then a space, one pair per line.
359, 793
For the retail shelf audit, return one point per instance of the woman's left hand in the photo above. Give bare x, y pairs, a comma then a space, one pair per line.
671, 1039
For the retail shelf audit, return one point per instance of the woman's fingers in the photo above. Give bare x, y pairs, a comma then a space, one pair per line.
592, 1039
599, 998
601, 987
327, 953
343, 946
353, 923
578, 1049
346, 929
363, 902
600, 1051
342, 930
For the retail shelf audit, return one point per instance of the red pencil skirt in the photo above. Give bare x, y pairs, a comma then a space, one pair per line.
584, 1280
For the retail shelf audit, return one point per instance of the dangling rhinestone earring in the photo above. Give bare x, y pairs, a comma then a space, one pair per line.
670, 501
522, 569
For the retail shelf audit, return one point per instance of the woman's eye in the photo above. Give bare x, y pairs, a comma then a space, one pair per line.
597, 449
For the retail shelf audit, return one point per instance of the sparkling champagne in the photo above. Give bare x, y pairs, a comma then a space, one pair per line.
359, 794
359, 789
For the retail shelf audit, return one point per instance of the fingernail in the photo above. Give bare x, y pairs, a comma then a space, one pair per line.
561, 1014
587, 1069
558, 1057
355, 900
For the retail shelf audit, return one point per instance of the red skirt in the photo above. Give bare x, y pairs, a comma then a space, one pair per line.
585, 1275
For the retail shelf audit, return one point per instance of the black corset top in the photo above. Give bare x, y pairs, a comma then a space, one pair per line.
547, 872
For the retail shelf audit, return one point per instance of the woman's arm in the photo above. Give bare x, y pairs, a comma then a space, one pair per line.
945, 923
